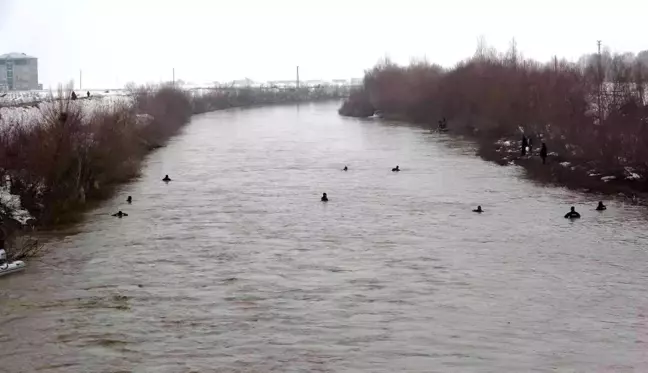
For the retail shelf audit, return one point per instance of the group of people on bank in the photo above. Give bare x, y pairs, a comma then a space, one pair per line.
527, 146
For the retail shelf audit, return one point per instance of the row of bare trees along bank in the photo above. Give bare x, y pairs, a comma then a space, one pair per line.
592, 114
68, 153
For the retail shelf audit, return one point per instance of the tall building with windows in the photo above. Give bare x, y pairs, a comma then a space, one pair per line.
18, 72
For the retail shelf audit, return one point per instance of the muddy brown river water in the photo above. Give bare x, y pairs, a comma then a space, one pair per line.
236, 265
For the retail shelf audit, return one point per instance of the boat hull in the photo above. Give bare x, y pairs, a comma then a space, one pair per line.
12, 267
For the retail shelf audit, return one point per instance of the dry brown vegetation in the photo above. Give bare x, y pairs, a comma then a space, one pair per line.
70, 157
492, 96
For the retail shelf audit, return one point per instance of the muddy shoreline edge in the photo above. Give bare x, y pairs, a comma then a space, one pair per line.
559, 171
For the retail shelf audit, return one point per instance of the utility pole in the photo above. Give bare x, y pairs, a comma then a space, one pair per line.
600, 62
174, 76
80, 80
297, 77
600, 82
598, 42
556, 63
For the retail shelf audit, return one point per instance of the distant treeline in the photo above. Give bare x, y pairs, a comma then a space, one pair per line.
219, 99
592, 111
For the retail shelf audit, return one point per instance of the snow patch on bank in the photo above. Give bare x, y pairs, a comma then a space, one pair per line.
28, 116
503, 142
33, 97
11, 204
630, 174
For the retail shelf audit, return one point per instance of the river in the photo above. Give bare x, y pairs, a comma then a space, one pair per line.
236, 265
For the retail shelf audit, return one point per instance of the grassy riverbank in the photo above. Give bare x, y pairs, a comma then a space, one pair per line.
60, 157
592, 114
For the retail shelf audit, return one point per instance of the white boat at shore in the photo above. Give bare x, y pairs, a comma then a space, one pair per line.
10, 267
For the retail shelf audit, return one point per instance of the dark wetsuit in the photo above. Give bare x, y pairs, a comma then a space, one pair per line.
572, 215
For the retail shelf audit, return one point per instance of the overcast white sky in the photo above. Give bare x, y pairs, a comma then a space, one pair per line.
117, 41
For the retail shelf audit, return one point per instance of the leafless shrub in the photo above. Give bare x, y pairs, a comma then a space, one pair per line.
594, 110
25, 247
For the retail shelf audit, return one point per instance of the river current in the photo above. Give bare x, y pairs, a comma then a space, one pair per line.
236, 265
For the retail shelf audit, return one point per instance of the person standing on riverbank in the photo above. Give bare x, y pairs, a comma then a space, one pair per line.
530, 146
525, 143
543, 153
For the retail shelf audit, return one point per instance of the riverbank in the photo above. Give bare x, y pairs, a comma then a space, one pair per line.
560, 170
62, 156
594, 132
